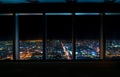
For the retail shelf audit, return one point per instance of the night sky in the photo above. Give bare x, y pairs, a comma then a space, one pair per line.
59, 27
7, 27
112, 27
87, 27
31, 27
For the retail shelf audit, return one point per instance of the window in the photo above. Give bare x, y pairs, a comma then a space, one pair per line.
112, 34
31, 30
6, 36
59, 36
87, 34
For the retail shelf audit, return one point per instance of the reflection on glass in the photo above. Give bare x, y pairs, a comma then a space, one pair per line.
87, 49
112, 13
31, 49
59, 49
6, 50
87, 14
113, 49
55, 14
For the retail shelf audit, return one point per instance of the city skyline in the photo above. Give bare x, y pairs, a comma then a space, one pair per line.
44, 35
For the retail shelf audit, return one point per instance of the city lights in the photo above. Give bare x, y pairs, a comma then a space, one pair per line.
31, 50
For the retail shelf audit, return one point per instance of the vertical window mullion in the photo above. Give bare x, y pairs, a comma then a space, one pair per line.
45, 38
16, 37
73, 36
102, 40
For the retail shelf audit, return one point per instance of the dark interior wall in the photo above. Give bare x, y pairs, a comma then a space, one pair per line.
83, 69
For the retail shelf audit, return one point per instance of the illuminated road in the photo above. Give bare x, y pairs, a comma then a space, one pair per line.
65, 51
25, 56
10, 57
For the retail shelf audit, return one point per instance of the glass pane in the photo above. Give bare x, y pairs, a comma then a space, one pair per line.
112, 33
31, 28
59, 36
87, 33
6, 36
